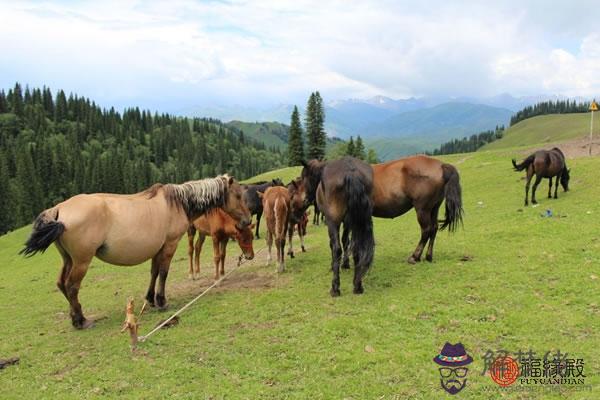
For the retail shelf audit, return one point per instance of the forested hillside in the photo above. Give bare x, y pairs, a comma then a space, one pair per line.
52, 147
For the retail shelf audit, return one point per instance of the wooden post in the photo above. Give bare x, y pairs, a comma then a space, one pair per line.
593, 107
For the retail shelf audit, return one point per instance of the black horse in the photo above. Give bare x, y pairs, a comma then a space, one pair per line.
253, 202
342, 189
545, 164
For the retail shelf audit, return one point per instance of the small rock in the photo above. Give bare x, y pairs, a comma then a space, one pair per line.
369, 349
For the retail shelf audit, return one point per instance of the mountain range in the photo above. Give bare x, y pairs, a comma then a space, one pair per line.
394, 127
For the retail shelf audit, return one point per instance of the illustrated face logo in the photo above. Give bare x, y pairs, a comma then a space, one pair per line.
453, 373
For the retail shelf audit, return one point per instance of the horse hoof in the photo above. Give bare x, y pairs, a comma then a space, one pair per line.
533, 201
291, 255
412, 260
335, 292
86, 324
303, 249
429, 258
346, 265
358, 290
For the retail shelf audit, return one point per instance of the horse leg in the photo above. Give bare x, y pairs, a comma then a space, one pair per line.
301, 233
556, 181
72, 285
258, 215
216, 255
199, 244
527, 183
345, 243
64, 272
223, 252
269, 245
433, 231
424, 218
164, 257
280, 247
153, 275
336, 253
290, 234
550, 189
538, 179
191, 232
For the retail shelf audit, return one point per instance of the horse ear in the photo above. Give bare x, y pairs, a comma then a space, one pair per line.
304, 163
231, 180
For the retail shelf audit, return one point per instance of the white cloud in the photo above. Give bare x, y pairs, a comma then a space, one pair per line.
179, 53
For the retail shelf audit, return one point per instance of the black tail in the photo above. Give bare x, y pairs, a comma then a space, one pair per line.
359, 220
526, 162
45, 232
453, 197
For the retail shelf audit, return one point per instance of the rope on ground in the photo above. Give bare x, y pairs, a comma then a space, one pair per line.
182, 309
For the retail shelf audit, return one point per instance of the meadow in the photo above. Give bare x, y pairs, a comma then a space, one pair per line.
509, 280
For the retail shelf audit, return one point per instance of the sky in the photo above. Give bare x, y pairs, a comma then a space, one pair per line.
174, 55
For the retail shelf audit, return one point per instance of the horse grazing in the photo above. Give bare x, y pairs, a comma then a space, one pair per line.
221, 227
276, 204
544, 164
254, 202
128, 230
343, 193
298, 216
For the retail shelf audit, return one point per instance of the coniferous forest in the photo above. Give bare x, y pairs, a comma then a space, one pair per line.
55, 146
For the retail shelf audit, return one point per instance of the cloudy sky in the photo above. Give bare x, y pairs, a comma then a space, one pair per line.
172, 55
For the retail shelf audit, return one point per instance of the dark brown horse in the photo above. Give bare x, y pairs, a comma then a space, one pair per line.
128, 230
544, 164
343, 193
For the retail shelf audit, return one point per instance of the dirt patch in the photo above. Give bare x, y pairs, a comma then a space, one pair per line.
575, 148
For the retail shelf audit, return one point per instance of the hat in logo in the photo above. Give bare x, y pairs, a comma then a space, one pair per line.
453, 355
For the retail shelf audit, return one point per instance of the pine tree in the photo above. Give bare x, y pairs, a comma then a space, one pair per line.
295, 141
315, 132
372, 157
3, 103
16, 101
350, 148
359, 150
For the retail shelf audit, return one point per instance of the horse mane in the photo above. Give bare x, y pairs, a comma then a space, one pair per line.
194, 197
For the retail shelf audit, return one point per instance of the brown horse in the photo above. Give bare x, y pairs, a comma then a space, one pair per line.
343, 193
545, 164
221, 227
421, 182
276, 206
298, 215
128, 230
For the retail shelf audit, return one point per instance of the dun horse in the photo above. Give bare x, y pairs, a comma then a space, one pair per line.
221, 227
128, 230
276, 204
252, 200
544, 164
343, 193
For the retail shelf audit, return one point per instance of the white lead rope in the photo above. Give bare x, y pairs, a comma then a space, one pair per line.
182, 309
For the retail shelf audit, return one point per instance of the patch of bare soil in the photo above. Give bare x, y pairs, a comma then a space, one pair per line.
575, 148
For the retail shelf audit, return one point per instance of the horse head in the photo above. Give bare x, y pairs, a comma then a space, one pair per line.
244, 237
298, 196
234, 205
564, 179
311, 176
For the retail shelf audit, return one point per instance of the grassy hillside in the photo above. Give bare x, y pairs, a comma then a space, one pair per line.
544, 129
509, 280
269, 133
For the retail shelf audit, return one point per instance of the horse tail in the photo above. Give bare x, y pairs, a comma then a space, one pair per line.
453, 197
46, 229
359, 220
279, 224
526, 163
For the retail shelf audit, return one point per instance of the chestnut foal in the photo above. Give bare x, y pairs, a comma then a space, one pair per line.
221, 227
277, 207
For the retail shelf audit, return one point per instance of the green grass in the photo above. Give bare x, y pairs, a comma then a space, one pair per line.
544, 129
269, 133
532, 283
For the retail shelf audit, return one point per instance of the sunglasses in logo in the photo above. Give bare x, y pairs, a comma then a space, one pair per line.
459, 372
